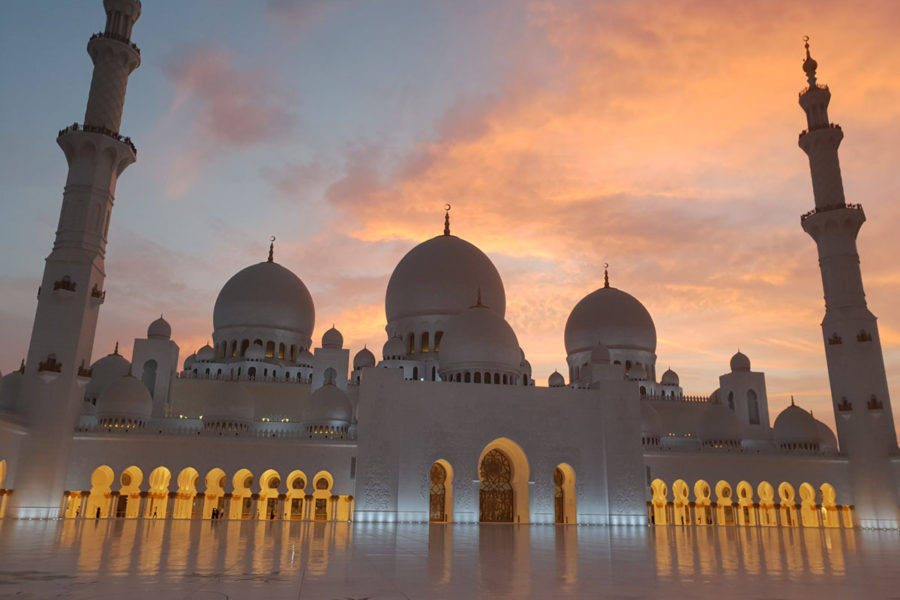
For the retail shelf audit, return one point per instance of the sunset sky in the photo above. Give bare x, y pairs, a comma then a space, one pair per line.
657, 136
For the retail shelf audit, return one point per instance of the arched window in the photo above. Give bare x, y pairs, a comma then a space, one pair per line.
458, 378
627, 367
424, 342
330, 376
244, 345
437, 341
477, 377
270, 349
497, 378
468, 377
415, 373
731, 400
148, 377
433, 373
411, 344
281, 351
251, 372
233, 348
752, 407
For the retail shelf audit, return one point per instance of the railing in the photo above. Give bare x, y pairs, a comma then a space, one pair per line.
64, 284
675, 398
84, 371
51, 364
98, 293
94, 129
828, 126
829, 207
819, 86
118, 38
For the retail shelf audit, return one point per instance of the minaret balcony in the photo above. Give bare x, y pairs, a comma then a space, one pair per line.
84, 375
818, 86
64, 285
98, 295
49, 369
116, 37
830, 207
75, 127
806, 132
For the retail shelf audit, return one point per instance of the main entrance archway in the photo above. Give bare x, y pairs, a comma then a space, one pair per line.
496, 498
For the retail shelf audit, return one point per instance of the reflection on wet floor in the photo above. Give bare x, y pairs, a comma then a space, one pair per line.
303, 559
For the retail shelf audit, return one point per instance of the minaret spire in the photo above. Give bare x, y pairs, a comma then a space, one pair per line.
606, 275
271, 249
72, 286
859, 391
447, 208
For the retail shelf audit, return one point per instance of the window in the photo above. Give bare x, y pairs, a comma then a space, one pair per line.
437, 341
411, 344
731, 400
752, 407
424, 342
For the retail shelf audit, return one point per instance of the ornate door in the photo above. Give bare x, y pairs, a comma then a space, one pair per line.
559, 498
496, 495
438, 493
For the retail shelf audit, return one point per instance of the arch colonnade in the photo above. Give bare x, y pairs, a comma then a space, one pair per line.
748, 510
247, 497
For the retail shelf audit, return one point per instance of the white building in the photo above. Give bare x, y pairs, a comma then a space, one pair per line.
449, 425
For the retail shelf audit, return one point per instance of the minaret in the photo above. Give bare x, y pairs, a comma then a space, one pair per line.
859, 390
71, 290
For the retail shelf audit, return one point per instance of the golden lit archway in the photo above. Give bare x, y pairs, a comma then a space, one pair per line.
440, 492
322, 502
128, 504
564, 505
214, 496
188, 505
158, 495
242, 495
659, 502
503, 472
269, 482
296, 491
98, 502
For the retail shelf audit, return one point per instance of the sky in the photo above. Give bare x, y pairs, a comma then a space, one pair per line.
658, 136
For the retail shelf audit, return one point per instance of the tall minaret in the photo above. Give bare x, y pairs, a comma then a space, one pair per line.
859, 391
71, 291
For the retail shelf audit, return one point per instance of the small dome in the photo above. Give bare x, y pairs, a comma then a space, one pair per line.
439, 277
327, 405
718, 423
827, 440
480, 339
333, 339
255, 352
556, 380
740, 362
600, 355
305, 358
206, 353
651, 422
612, 317
159, 330
104, 371
670, 377
127, 398
190, 360
795, 428
228, 402
393, 349
363, 358
265, 296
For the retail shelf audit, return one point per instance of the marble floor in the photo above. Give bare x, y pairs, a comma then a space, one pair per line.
202, 560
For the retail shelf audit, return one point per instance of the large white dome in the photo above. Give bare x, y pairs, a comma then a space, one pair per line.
612, 317
328, 405
125, 398
480, 340
105, 371
440, 277
265, 296
796, 429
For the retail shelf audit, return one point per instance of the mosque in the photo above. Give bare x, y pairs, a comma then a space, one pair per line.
447, 425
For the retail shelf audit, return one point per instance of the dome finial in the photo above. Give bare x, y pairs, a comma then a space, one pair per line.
809, 65
22, 366
606, 275
116, 349
272, 249
447, 208
792, 396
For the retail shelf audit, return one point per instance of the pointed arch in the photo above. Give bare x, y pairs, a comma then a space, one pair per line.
809, 515
440, 492
768, 517
188, 504
321, 501
241, 495
702, 503
128, 503
98, 502
214, 496
296, 490
514, 472
158, 495
564, 494
746, 506
724, 503
786, 506
659, 501
269, 505
682, 504
830, 514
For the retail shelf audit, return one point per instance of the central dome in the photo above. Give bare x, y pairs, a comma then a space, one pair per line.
265, 296
611, 317
440, 277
